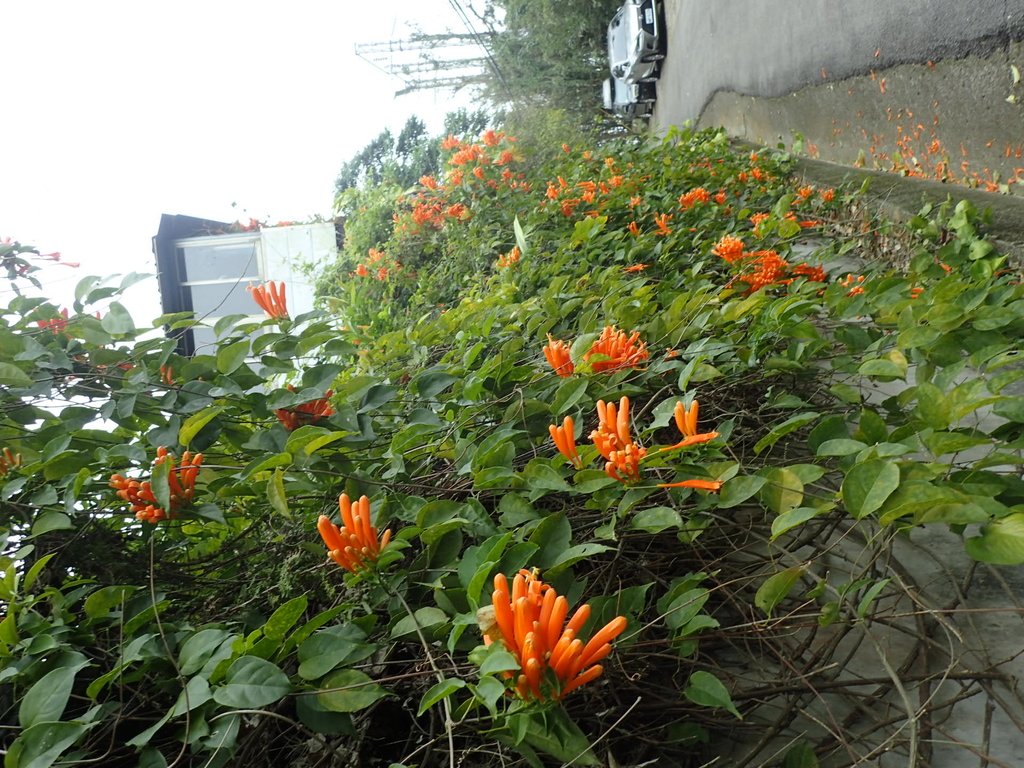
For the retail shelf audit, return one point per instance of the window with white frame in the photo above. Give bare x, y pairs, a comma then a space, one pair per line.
215, 272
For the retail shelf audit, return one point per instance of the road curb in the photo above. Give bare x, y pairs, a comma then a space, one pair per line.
901, 197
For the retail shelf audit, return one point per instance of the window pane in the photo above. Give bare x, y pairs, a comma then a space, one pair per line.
221, 299
229, 261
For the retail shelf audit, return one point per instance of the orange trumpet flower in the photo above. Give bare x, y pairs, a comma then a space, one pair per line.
181, 479
557, 354
271, 298
615, 350
686, 421
354, 546
700, 485
565, 441
531, 623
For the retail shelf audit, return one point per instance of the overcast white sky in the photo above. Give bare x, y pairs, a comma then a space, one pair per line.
116, 112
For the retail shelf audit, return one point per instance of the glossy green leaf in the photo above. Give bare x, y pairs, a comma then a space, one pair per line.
1001, 541
194, 423
251, 683
349, 690
41, 745
707, 690
655, 519
231, 356
777, 587
441, 690
13, 376
276, 493
867, 486
46, 699
117, 321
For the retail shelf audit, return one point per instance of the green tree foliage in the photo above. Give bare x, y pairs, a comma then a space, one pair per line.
553, 51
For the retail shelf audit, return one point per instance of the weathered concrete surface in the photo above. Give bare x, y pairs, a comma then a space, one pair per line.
917, 87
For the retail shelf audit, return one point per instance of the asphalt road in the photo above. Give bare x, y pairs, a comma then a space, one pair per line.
770, 48
921, 87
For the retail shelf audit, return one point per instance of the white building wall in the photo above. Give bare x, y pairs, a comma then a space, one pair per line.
286, 250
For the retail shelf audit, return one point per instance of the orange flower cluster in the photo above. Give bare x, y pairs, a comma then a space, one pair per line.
355, 546
557, 354
686, 422
613, 441
635, 268
622, 454
661, 223
373, 266
9, 460
531, 622
167, 375
56, 325
694, 196
181, 479
305, 413
509, 259
614, 350
564, 438
854, 283
271, 298
768, 267
729, 248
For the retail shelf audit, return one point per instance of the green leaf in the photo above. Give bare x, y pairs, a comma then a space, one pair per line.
840, 447
41, 745
158, 481
569, 393
46, 699
655, 519
326, 649
441, 690
498, 660
553, 536
349, 690
276, 495
198, 693
100, 602
284, 618
789, 425
777, 587
194, 423
867, 486
426, 618
33, 573
573, 555
793, 518
231, 356
706, 690
541, 476
197, 650
51, 520
433, 382
251, 683
517, 228
13, 376
263, 463
739, 489
801, 755
1001, 541
117, 321
783, 490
